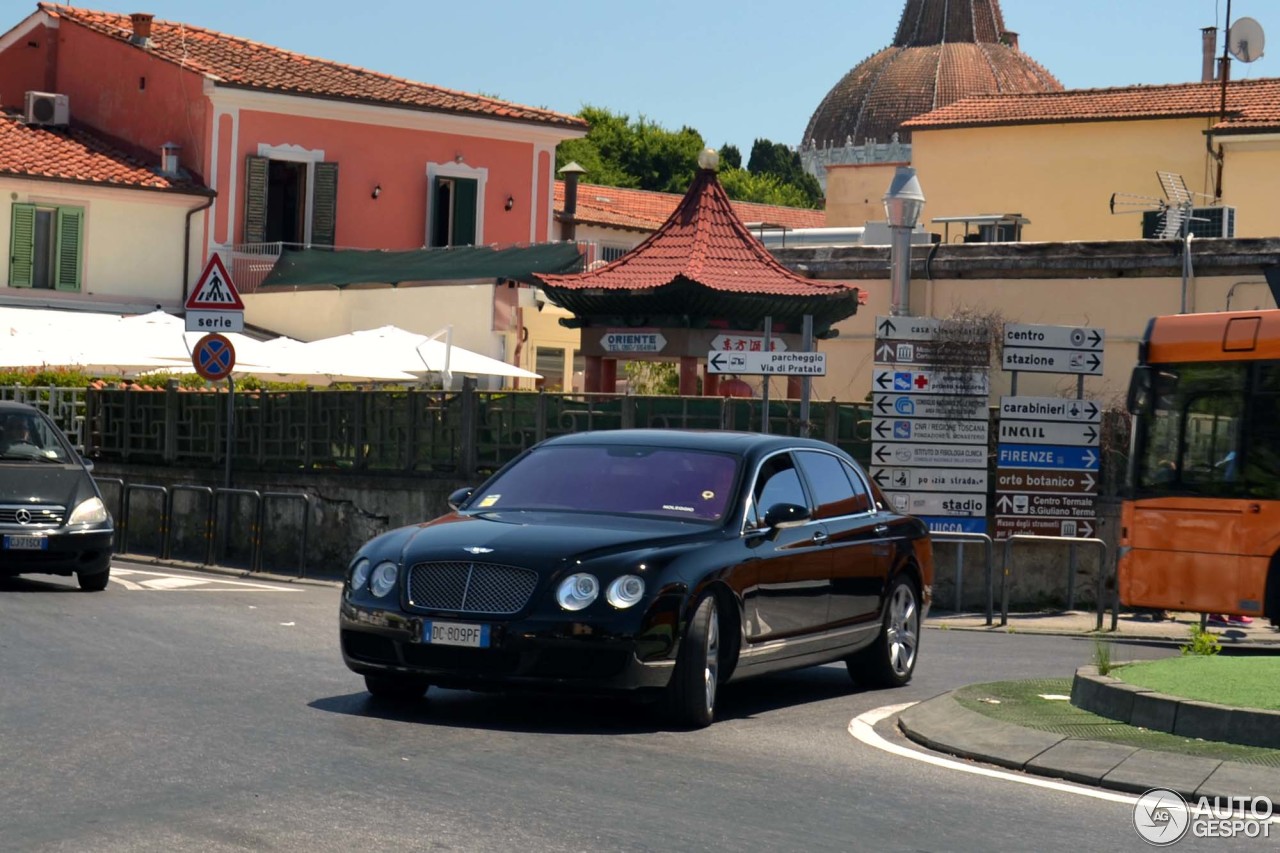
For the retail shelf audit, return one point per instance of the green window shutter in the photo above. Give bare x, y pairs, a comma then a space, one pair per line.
255, 199
464, 212
22, 245
324, 205
70, 239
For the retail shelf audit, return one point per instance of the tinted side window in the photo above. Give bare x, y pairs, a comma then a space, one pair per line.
778, 483
832, 487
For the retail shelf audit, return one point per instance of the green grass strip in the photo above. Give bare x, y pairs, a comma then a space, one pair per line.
1245, 681
1021, 703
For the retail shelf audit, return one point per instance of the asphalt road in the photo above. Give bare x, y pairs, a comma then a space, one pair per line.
180, 711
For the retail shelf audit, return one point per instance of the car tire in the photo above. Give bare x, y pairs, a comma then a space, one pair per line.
395, 688
95, 582
891, 659
691, 694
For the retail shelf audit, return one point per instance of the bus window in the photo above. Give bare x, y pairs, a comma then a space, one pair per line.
1190, 435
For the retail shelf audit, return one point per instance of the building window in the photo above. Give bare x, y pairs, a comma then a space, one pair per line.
455, 204
609, 253
291, 196
46, 245
549, 363
453, 212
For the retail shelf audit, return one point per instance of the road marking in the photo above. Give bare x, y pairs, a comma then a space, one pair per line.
143, 581
862, 727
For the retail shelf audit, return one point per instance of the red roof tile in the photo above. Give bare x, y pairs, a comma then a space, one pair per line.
645, 210
238, 62
72, 154
1252, 105
704, 242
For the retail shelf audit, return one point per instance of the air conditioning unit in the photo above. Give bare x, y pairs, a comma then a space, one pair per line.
1205, 222
47, 108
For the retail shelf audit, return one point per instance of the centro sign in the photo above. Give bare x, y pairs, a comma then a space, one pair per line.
633, 340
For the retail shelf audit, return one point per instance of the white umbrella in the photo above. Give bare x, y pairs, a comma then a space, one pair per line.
291, 361
410, 352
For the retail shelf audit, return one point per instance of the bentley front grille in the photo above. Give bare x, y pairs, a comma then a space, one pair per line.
469, 587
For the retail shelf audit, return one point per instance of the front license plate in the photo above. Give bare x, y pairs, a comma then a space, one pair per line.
26, 543
456, 634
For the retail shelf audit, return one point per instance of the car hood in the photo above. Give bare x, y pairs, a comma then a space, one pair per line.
44, 483
536, 539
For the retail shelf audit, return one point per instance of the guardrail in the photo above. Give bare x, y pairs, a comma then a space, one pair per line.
960, 539
221, 532
207, 491
122, 530
1103, 563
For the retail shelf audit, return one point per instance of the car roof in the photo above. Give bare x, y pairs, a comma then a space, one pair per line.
14, 407
740, 443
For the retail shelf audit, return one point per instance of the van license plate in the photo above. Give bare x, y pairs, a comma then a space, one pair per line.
26, 543
456, 634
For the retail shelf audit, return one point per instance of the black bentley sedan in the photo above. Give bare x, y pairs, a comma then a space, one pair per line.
52, 519
657, 562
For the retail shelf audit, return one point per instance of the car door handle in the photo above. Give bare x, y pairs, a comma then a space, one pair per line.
820, 536
882, 529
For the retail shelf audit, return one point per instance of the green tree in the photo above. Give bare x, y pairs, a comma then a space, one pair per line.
763, 188
730, 157
619, 152
774, 158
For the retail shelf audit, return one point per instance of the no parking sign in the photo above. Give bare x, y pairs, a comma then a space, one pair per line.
213, 357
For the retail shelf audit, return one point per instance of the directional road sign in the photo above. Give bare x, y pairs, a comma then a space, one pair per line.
1050, 409
768, 363
1047, 432
945, 432
1045, 456
961, 381
929, 353
930, 479
1075, 527
1041, 360
930, 455
955, 524
919, 406
1055, 337
213, 357
926, 329
926, 503
1055, 482
1048, 506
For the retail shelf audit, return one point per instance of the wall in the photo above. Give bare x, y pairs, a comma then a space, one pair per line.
27, 64
132, 239
1062, 176
1251, 182
855, 193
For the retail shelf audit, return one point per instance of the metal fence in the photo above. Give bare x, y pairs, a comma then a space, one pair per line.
411, 431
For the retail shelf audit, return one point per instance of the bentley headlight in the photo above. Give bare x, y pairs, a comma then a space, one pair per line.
625, 591
89, 512
384, 578
577, 591
360, 573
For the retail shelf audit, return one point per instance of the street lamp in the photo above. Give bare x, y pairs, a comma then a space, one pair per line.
902, 205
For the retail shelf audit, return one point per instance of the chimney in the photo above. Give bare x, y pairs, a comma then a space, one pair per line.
141, 28
1208, 42
571, 172
1009, 39
169, 159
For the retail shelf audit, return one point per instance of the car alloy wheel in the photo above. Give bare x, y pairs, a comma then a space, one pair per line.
711, 656
691, 695
903, 631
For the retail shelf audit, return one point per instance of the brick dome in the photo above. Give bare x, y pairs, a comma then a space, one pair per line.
943, 52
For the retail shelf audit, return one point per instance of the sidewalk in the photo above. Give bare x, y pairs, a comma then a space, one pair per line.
1259, 636
1051, 737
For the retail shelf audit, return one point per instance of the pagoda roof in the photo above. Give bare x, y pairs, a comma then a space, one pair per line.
701, 265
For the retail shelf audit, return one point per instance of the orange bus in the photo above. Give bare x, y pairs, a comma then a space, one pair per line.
1200, 524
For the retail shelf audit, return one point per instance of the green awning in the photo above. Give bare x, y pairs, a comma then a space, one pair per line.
357, 266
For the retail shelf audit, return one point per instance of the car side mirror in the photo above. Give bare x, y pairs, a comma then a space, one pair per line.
458, 498
88, 464
785, 515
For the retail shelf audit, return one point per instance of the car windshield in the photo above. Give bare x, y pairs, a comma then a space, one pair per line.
29, 437
628, 480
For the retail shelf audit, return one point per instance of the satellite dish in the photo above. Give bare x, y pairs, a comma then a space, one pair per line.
1245, 40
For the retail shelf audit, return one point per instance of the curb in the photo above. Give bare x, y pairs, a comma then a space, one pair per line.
944, 725
1108, 696
1229, 645
244, 574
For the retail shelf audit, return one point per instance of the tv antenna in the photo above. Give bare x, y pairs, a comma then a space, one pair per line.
1174, 221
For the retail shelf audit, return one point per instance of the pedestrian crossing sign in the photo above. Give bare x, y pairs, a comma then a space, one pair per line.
214, 291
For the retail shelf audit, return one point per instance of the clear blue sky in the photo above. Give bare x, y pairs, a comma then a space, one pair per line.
733, 71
